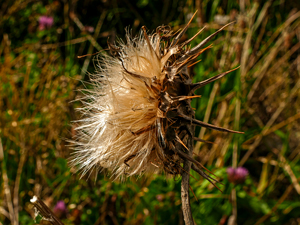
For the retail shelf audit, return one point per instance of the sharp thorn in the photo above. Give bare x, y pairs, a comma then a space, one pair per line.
201, 140
210, 126
207, 177
177, 38
188, 41
198, 85
197, 48
148, 43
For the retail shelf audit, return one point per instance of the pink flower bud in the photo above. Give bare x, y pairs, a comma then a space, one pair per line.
45, 22
89, 29
237, 175
60, 209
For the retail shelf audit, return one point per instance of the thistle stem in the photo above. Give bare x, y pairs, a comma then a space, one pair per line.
185, 198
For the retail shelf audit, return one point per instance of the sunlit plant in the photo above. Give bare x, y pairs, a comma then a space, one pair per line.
137, 118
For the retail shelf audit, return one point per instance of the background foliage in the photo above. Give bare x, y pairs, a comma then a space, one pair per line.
40, 71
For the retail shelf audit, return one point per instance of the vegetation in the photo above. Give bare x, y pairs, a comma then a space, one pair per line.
40, 72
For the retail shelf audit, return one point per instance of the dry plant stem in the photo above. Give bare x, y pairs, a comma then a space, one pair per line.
247, 44
90, 50
18, 178
17, 184
207, 113
65, 43
235, 159
234, 207
286, 167
51, 46
7, 189
44, 211
263, 13
4, 212
273, 68
264, 69
272, 128
225, 145
242, 5
283, 197
261, 19
271, 41
257, 44
282, 124
267, 60
185, 198
81, 27
282, 105
235, 153
259, 138
200, 13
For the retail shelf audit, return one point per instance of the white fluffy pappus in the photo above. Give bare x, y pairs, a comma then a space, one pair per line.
118, 109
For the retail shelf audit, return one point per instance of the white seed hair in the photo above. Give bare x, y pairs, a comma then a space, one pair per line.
117, 108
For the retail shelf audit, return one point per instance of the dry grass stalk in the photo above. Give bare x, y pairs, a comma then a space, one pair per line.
13, 215
42, 209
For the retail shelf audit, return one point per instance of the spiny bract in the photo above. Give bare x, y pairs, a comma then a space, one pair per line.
138, 118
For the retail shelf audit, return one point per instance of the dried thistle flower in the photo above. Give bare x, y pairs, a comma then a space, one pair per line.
138, 117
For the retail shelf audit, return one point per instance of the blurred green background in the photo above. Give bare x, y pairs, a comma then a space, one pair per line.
40, 72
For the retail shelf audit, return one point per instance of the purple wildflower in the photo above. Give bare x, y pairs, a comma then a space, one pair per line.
237, 175
160, 197
45, 22
89, 29
60, 209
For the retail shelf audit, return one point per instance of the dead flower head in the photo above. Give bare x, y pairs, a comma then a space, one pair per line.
138, 118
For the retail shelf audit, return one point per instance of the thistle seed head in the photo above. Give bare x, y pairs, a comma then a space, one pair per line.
137, 118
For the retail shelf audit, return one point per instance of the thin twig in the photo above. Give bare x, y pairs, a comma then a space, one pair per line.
81, 27
44, 210
91, 47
